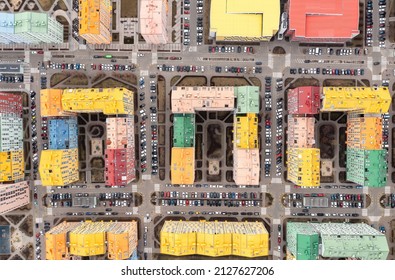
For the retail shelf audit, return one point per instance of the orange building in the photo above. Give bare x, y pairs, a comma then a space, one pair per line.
51, 103
95, 21
300, 132
182, 165
364, 132
246, 166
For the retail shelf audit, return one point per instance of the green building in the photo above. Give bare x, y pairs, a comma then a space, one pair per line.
184, 130
367, 167
308, 241
30, 28
247, 99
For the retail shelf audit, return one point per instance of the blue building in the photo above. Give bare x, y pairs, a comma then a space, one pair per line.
5, 240
63, 134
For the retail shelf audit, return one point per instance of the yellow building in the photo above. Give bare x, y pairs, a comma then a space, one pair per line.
250, 240
366, 99
178, 238
247, 20
117, 239
51, 103
182, 165
89, 239
181, 238
214, 239
304, 166
12, 166
95, 21
110, 101
364, 132
246, 131
59, 167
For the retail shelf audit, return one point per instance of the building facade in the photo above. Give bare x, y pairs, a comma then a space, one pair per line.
153, 21
310, 241
13, 196
214, 239
59, 167
30, 28
109, 101
120, 152
63, 134
334, 21
116, 240
304, 166
95, 17
373, 100
304, 100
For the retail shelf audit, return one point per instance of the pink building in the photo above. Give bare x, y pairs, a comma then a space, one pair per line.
304, 100
246, 166
153, 21
120, 152
13, 196
300, 132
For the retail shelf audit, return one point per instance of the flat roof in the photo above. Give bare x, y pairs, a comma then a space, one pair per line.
5, 240
247, 18
324, 19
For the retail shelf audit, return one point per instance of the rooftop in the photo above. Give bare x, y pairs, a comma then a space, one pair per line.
324, 19
249, 19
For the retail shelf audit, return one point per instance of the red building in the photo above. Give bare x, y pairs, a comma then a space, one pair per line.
323, 21
120, 169
304, 101
10, 103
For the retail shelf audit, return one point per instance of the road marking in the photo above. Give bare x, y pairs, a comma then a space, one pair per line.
277, 75
157, 209
373, 218
387, 190
263, 188
263, 211
193, 49
287, 188
134, 188
146, 177
276, 221
287, 211
39, 220
49, 211
134, 57
365, 190
143, 73
154, 58
276, 253
376, 49
270, 60
387, 212
276, 181
135, 210
288, 60
157, 187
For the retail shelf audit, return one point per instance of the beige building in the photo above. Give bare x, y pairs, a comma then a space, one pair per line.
153, 21
191, 99
13, 196
246, 166
300, 132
